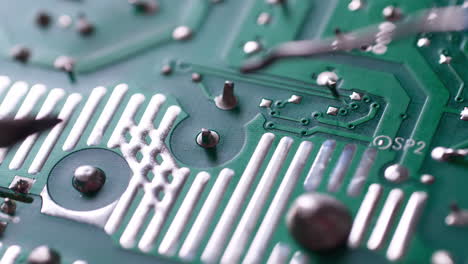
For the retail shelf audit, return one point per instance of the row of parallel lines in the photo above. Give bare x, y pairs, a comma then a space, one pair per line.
388, 215
222, 246
281, 255
32, 96
340, 168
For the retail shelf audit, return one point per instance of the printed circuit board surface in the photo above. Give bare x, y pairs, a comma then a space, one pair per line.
167, 153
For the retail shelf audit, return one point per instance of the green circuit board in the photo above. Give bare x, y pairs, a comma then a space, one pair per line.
205, 164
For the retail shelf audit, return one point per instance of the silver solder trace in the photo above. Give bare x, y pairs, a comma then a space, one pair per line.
445, 19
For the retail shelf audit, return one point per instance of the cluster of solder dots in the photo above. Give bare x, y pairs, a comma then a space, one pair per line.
84, 27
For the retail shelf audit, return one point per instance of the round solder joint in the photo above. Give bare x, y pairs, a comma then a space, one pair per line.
396, 173
43, 255
88, 179
207, 138
227, 100
8, 207
327, 78
319, 222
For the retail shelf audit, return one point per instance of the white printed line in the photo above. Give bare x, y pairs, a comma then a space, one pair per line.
362, 172
245, 229
278, 205
4, 83
299, 258
159, 135
279, 254
405, 229
10, 255
341, 168
385, 220
115, 219
315, 175
125, 120
364, 215
107, 113
134, 226
171, 239
65, 114
86, 113
55, 95
218, 239
152, 110
25, 109
35, 93
12, 98
167, 122
207, 212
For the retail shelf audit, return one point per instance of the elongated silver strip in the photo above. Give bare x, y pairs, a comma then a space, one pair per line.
25, 109
79, 262
276, 210
168, 121
12, 98
218, 239
122, 206
249, 219
405, 229
341, 168
54, 96
364, 215
10, 255
65, 114
170, 241
279, 254
4, 83
83, 119
34, 94
207, 212
299, 258
152, 110
125, 120
385, 220
315, 175
159, 136
107, 113
362, 172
